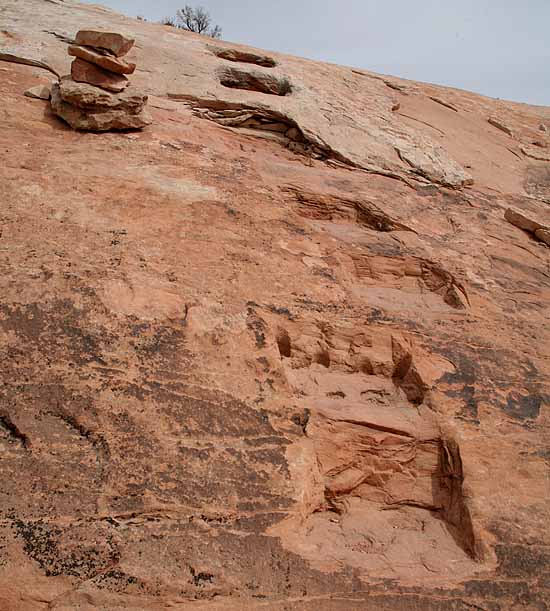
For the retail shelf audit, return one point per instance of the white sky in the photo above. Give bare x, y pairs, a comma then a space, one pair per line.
499, 48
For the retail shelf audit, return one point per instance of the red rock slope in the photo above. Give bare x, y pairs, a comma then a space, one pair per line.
281, 349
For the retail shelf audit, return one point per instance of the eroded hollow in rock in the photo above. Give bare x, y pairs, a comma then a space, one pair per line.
255, 81
384, 483
233, 55
284, 343
267, 124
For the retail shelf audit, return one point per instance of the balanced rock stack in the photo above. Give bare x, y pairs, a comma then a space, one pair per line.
95, 96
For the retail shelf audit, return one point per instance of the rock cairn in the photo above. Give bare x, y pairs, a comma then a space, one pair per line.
96, 96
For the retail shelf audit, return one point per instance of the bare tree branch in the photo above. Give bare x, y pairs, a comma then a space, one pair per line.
196, 20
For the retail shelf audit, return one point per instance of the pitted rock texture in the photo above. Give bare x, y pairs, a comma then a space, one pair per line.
272, 352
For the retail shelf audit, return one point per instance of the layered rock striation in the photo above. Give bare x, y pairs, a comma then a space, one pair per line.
288, 348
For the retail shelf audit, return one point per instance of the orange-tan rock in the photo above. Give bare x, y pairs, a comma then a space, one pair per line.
93, 98
89, 97
103, 60
114, 42
536, 228
252, 357
85, 107
40, 92
85, 72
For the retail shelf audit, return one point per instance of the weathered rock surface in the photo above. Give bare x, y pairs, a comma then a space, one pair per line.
110, 41
521, 221
538, 229
87, 96
245, 368
106, 61
40, 92
500, 125
84, 72
26, 61
244, 57
543, 234
536, 152
84, 109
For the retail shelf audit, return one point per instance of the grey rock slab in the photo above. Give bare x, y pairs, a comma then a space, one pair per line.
40, 92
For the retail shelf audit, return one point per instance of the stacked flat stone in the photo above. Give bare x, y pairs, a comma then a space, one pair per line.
95, 96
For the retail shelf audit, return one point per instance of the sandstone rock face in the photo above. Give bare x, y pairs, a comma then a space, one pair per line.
274, 351
114, 42
105, 61
84, 72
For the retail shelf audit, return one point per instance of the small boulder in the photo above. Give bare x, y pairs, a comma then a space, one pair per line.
500, 125
106, 61
40, 92
521, 221
89, 97
540, 231
117, 44
543, 235
99, 119
84, 72
293, 133
541, 153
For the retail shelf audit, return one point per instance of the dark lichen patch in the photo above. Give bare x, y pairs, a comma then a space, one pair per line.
158, 340
118, 581
201, 578
12, 433
521, 406
210, 473
301, 419
56, 330
480, 378
508, 593
522, 561
257, 326
61, 552
281, 311
192, 413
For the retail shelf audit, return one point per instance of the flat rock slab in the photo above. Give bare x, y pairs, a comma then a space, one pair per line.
539, 153
108, 62
500, 125
111, 41
520, 220
100, 119
89, 97
85, 72
40, 92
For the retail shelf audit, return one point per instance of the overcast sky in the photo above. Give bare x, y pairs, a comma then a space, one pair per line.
497, 47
